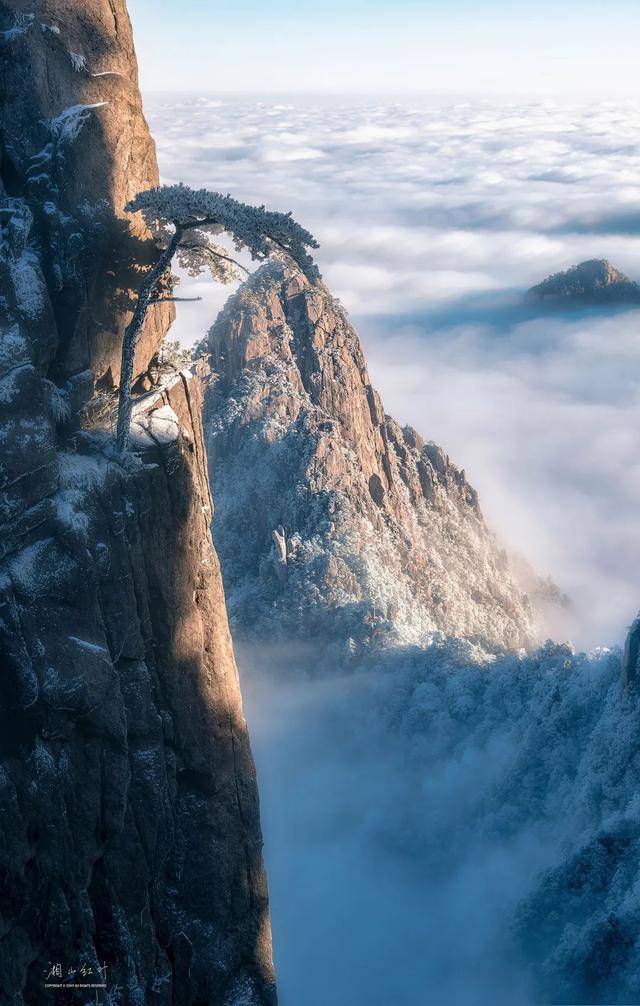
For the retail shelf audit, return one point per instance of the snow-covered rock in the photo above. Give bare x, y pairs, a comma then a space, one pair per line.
331, 519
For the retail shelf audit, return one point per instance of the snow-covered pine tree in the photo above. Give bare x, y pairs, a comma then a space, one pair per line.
184, 222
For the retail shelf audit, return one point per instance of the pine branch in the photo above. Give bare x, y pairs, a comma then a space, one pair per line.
167, 300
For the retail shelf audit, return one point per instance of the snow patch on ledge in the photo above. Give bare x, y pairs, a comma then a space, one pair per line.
154, 423
84, 644
156, 428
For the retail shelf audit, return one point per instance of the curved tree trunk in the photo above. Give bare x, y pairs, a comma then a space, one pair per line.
131, 334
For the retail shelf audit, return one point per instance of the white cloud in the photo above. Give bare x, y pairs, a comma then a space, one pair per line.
433, 217
407, 812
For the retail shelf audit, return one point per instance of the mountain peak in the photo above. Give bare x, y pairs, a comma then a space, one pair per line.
333, 520
595, 280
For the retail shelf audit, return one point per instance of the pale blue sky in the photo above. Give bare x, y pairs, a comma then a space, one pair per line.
390, 46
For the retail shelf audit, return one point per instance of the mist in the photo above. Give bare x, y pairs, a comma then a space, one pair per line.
410, 807
413, 805
434, 217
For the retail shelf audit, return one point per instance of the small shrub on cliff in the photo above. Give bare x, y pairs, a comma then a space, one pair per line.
184, 221
173, 354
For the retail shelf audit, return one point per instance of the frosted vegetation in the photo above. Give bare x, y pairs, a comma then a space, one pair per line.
204, 214
184, 221
67, 126
444, 826
481, 815
434, 217
479, 811
346, 579
338, 587
331, 519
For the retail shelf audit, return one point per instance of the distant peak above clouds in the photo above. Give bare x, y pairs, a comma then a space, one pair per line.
593, 281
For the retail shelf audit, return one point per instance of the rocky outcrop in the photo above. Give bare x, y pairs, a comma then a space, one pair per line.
75, 144
631, 655
595, 282
332, 519
129, 829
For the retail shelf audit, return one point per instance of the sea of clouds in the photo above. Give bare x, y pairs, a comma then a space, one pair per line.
408, 807
433, 218
411, 808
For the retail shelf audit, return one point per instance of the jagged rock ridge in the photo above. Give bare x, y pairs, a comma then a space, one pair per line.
594, 281
129, 827
333, 520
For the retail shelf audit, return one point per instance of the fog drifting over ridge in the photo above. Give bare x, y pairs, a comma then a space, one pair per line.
409, 804
433, 217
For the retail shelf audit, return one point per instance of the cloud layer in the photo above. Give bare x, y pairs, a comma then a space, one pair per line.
407, 809
433, 218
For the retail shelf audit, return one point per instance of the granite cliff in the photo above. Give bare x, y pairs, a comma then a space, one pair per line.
129, 821
332, 520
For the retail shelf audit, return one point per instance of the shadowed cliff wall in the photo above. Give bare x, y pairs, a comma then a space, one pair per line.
129, 823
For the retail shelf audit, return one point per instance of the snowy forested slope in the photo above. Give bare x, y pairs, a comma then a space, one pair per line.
450, 830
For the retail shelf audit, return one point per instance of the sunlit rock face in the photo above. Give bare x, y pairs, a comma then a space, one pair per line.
331, 518
130, 837
592, 282
77, 147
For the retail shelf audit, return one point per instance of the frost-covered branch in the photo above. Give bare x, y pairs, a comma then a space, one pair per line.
196, 252
184, 221
255, 229
171, 300
78, 61
69, 123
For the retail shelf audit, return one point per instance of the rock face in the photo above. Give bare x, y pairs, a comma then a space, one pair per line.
76, 146
332, 520
631, 655
129, 826
595, 281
